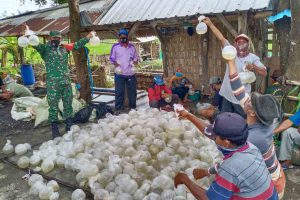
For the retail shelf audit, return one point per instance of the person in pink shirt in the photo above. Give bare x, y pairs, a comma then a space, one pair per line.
124, 56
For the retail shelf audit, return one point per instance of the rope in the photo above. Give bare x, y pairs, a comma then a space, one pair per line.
89, 70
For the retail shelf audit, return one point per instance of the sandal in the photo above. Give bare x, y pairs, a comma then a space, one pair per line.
286, 166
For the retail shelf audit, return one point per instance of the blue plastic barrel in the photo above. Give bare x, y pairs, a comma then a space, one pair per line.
27, 74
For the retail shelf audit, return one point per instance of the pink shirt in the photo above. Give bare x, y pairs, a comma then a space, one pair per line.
124, 56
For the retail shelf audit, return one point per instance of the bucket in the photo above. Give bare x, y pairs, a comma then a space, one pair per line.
195, 97
27, 74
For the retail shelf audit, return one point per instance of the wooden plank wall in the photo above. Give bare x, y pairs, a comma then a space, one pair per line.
199, 56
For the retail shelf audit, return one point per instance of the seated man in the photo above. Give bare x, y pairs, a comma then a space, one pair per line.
242, 174
290, 137
159, 94
181, 85
4, 94
216, 105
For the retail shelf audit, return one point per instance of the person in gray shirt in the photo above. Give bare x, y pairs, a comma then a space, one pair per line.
244, 61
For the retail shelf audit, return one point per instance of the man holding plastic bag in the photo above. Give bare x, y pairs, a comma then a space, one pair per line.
58, 80
124, 56
245, 62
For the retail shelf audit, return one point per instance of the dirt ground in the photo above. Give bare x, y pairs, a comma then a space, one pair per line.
12, 187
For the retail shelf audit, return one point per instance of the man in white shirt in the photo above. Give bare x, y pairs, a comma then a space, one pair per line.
244, 61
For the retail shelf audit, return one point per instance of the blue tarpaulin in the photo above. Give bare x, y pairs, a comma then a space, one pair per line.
280, 15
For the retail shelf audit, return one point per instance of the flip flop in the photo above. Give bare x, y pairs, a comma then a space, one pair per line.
286, 166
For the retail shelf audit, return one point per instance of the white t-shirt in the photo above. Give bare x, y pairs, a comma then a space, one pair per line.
226, 90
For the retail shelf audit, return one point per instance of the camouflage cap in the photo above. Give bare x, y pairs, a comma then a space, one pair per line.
55, 33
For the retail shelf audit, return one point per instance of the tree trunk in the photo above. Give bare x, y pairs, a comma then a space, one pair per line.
4, 58
79, 56
293, 69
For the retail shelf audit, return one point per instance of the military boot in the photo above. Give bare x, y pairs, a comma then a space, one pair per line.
55, 130
69, 123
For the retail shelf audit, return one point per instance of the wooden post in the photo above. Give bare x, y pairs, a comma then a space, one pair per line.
293, 72
163, 47
243, 23
131, 34
227, 24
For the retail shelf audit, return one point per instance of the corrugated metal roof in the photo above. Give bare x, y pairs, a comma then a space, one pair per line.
141, 10
42, 21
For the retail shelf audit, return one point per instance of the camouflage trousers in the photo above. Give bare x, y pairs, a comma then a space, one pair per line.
56, 90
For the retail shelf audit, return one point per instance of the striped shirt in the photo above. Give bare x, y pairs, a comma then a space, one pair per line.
243, 175
261, 136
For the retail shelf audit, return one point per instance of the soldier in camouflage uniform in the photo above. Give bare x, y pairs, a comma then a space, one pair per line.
58, 82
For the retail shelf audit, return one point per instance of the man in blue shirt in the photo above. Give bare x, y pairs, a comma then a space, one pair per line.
290, 137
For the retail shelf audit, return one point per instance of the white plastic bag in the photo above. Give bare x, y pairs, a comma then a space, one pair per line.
33, 40
229, 52
23, 41
54, 185
118, 70
35, 178
20, 149
35, 160
95, 39
247, 77
54, 196
8, 147
23, 162
78, 194
47, 166
45, 192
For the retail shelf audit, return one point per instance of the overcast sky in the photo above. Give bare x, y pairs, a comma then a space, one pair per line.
13, 6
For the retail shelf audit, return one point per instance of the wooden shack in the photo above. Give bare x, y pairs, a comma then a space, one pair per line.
199, 56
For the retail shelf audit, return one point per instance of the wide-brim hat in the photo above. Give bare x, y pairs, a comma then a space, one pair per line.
266, 108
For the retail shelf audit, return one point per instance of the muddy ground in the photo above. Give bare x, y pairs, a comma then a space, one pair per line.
12, 187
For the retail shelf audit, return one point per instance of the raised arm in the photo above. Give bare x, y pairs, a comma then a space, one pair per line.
238, 88
215, 30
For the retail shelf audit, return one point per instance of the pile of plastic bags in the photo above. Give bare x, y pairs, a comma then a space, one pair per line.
130, 156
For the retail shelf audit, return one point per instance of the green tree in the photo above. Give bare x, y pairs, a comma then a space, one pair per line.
9, 45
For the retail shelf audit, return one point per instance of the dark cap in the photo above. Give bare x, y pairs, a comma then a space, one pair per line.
229, 126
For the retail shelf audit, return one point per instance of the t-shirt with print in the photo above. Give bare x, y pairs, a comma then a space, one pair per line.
226, 90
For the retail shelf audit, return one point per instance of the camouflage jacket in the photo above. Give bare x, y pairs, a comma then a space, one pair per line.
56, 59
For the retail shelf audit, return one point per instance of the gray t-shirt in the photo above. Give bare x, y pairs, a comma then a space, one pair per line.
226, 90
